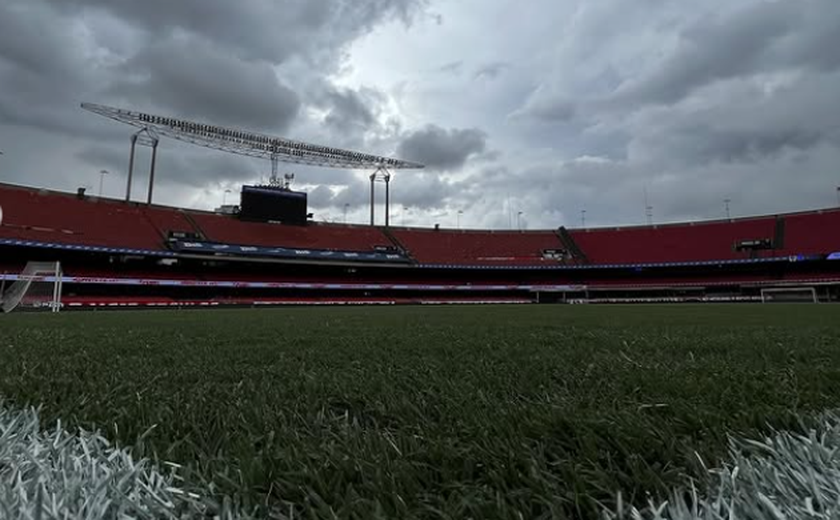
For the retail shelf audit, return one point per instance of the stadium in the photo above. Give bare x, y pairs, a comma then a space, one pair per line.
509, 402
266, 251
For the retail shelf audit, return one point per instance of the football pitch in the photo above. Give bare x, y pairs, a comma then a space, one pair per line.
430, 412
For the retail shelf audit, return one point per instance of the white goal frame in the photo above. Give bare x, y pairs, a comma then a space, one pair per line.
13, 295
782, 290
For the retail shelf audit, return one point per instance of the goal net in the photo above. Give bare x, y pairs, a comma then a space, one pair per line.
789, 295
38, 286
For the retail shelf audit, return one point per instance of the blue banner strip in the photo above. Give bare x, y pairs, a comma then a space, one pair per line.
193, 246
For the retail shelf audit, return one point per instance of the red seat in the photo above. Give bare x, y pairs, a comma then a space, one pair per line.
812, 233
478, 247
672, 243
169, 219
63, 218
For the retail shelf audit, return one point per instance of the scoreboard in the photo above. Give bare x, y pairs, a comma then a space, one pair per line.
266, 203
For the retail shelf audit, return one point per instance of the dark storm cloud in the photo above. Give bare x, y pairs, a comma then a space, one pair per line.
258, 29
441, 149
764, 36
746, 125
194, 78
40, 70
714, 49
352, 112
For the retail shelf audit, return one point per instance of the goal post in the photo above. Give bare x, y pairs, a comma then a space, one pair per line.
37, 287
789, 295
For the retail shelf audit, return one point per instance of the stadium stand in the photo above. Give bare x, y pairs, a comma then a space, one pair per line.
167, 220
571, 246
672, 243
449, 247
51, 217
230, 230
127, 259
812, 233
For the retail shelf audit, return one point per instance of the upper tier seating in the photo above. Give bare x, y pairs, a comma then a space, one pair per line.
51, 217
63, 218
230, 230
672, 243
478, 247
812, 233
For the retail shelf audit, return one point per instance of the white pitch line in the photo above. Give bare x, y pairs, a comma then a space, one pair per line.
784, 476
56, 473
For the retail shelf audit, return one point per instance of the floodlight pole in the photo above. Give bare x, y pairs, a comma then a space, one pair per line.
131, 166
384, 175
387, 199
372, 198
152, 169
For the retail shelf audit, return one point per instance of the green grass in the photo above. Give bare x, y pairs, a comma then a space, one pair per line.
490, 412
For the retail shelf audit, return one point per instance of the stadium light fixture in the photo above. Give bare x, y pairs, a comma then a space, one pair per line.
251, 144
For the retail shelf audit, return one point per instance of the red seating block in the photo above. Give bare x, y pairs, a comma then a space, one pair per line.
478, 247
813, 233
63, 218
671, 243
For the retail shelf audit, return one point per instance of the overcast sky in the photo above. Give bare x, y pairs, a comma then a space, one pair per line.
548, 107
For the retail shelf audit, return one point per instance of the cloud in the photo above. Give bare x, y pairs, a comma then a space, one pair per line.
257, 29
195, 78
352, 113
544, 105
696, 102
760, 37
491, 71
453, 67
441, 149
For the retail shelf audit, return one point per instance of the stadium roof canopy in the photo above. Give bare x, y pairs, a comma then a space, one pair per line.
251, 144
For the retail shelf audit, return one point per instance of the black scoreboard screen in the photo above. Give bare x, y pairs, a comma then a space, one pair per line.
264, 204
